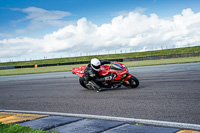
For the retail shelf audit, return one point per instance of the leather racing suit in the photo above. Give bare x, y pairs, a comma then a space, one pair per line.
92, 75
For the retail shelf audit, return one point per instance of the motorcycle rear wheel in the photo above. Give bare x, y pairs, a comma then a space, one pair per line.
81, 81
134, 82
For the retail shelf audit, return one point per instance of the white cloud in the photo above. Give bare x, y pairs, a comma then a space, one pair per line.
13, 47
4, 35
20, 31
135, 30
39, 17
125, 12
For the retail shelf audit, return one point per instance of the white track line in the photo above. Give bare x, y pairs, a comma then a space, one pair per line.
122, 119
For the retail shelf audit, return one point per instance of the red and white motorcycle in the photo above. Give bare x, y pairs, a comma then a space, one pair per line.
118, 70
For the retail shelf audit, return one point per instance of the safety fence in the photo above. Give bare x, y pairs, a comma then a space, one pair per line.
118, 60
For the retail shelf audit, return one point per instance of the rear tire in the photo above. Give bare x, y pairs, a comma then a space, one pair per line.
81, 81
134, 82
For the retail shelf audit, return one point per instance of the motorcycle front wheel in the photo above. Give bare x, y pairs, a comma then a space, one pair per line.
134, 82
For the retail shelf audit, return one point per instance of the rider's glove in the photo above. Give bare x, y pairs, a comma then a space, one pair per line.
108, 78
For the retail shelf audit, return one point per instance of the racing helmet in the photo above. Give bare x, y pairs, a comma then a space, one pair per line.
95, 64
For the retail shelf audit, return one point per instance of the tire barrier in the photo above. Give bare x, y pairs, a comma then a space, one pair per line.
6, 67
67, 63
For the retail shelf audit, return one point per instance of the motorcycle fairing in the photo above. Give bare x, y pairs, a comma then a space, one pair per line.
119, 70
79, 70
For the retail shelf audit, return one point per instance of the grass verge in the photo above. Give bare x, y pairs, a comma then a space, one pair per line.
15, 128
69, 67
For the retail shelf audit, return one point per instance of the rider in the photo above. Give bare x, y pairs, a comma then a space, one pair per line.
92, 77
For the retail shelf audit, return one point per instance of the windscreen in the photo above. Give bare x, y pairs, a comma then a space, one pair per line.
117, 66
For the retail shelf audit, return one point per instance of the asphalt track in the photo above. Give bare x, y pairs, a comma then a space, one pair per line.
166, 93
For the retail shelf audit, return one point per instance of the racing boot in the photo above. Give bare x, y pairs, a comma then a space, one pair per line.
94, 86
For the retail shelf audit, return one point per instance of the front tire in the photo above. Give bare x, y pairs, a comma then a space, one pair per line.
134, 82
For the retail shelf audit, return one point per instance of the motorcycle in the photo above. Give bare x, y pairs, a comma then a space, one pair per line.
119, 71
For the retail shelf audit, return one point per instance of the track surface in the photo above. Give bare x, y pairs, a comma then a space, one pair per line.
167, 93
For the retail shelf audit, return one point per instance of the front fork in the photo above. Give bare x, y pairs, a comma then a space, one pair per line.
126, 79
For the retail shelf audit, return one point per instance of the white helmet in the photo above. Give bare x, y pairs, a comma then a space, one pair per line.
95, 64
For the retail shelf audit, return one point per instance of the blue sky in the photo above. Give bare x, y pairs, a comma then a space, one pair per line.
34, 19
97, 11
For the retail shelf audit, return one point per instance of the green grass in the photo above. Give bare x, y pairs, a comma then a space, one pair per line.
69, 67
14, 128
110, 56
37, 70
